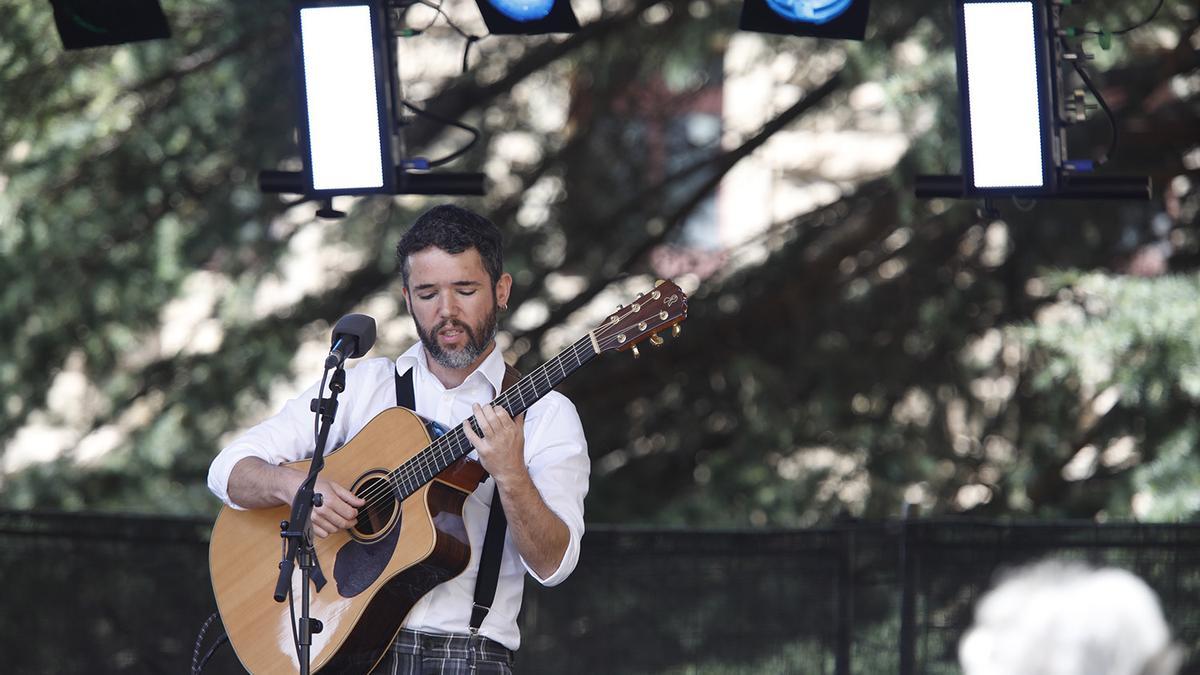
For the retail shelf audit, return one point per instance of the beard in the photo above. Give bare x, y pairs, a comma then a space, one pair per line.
478, 339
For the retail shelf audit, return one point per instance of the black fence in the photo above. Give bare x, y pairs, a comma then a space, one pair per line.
110, 594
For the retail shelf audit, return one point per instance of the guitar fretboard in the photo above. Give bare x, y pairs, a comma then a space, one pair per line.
449, 447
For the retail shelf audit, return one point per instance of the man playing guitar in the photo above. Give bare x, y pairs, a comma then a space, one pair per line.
451, 265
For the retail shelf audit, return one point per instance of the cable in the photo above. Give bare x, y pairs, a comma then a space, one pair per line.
1108, 113
1135, 26
197, 662
295, 626
213, 649
470, 38
1105, 36
317, 412
433, 20
437, 7
199, 639
438, 118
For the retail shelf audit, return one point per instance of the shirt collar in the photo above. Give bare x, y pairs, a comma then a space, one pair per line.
491, 370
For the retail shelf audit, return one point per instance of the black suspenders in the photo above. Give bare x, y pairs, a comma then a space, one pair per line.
493, 540
406, 396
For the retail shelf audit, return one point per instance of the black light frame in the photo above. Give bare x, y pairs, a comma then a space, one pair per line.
1043, 60
85, 23
383, 97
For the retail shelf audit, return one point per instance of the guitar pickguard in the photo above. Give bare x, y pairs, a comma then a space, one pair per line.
358, 564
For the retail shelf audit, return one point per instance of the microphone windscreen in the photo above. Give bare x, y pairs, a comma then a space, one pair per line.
361, 328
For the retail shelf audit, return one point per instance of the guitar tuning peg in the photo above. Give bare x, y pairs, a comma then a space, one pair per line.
656, 340
676, 330
636, 353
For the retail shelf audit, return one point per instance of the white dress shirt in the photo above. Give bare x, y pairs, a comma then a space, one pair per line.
555, 452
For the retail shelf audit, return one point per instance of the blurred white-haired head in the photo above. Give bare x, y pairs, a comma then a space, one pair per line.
1066, 618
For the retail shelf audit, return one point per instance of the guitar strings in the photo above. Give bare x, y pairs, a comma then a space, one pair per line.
421, 465
427, 463
424, 465
399, 483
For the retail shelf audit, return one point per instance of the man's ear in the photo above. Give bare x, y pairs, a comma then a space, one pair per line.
503, 288
404, 294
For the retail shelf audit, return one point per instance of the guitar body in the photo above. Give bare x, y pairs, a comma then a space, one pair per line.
375, 572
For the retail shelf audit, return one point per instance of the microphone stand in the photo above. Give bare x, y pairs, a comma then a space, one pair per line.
297, 532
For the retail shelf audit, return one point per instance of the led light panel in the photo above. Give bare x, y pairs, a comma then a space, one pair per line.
1007, 140
347, 123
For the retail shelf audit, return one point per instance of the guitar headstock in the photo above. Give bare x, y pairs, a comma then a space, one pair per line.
663, 307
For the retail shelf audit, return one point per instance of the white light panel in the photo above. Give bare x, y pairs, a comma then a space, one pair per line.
343, 106
1002, 93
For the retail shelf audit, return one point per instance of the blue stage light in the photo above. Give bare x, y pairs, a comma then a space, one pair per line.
837, 19
528, 17
524, 10
810, 11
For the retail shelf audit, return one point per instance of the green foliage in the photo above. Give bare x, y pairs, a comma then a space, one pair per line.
1128, 349
1142, 335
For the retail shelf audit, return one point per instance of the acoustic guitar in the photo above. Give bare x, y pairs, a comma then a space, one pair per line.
409, 537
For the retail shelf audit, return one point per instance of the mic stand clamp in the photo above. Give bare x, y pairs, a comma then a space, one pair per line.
297, 530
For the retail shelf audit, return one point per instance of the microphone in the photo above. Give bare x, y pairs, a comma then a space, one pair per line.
353, 336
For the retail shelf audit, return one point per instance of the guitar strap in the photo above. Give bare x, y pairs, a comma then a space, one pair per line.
493, 539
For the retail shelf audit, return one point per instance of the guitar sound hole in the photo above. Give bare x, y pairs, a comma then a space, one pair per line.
377, 513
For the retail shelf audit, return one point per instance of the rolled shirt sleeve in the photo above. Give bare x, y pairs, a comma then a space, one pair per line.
287, 436
559, 466
284, 437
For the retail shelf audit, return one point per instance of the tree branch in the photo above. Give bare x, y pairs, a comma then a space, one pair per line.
722, 165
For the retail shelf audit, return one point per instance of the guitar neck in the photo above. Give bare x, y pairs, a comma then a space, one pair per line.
452, 445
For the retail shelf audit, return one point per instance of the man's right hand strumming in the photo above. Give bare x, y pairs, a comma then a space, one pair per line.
255, 484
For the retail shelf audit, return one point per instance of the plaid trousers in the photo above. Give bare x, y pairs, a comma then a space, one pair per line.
416, 653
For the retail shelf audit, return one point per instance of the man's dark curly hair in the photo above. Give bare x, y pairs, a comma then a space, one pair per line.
454, 230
